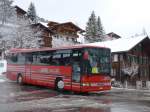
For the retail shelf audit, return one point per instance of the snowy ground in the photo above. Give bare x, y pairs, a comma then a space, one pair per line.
2, 78
27, 98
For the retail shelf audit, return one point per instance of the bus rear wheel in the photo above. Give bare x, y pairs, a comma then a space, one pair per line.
59, 85
20, 79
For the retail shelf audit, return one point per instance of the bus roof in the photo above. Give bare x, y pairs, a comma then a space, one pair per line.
15, 50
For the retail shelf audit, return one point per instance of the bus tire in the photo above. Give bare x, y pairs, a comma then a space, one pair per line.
59, 85
20, 79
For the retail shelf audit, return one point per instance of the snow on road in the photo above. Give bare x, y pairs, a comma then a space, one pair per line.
2, 80
53, 103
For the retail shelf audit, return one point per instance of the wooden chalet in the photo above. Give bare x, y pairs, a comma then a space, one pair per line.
46, 38
113, 36
67, 30
20, 12
130, 60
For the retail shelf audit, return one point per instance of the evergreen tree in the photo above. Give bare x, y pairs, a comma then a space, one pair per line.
32, 13
100, 30
91, 28
94, 29
6, 11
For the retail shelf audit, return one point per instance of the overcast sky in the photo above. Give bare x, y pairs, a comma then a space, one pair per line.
124, 17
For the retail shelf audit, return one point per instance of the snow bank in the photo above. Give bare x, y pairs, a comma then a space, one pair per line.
2, 80
3, 66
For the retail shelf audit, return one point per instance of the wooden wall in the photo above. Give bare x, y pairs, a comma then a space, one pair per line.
138, 57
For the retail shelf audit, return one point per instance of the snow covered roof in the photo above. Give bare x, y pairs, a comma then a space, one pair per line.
54, 25
19, 9
44, 24
113, 35
121, 44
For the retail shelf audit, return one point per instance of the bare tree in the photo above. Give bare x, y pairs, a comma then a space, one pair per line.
19, 34
6, 10
24, 35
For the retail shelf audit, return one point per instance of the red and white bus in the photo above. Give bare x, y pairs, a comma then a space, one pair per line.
76, 68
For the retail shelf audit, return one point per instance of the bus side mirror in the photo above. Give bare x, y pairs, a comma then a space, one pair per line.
86, 55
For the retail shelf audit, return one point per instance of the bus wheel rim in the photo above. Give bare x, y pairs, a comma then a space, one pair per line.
60, 84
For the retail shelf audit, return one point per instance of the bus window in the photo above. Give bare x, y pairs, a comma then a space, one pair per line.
29, 58
45, 58
12, 58
66, 57
56, 59
42, 58
98, 61
76, 55
35, 58
21, 58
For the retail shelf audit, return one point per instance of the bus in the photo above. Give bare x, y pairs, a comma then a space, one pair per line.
81, 68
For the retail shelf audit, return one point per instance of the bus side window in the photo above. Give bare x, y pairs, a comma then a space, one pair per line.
21, 58
34, 58
14, 58
56, 59
29, 58
66, 59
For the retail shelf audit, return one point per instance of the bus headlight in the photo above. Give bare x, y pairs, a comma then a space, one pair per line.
85, 84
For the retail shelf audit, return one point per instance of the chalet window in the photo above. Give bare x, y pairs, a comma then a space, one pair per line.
121, 57
49, 34
115, 58
113, 72
136, 59
73, 39
144, 72
56, 36
129, 59
145, 60
140, 60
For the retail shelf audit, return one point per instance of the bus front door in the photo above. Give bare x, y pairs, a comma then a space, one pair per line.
76, 75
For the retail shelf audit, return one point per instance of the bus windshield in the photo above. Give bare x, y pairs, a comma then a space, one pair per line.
97, 60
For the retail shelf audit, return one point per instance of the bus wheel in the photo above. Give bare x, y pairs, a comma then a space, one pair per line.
20, 79
59, 85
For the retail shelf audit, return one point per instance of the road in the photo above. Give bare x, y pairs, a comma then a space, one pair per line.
28, 98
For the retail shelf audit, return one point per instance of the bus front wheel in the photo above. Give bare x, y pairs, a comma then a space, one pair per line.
20, 79
59, 85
